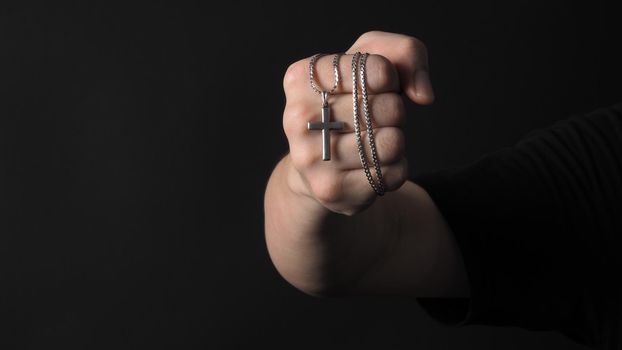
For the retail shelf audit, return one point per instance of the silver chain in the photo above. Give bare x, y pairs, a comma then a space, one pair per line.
324, 93
359, 64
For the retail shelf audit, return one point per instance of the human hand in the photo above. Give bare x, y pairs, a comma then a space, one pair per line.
397, 64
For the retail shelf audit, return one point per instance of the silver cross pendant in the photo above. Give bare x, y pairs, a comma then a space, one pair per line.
326, 126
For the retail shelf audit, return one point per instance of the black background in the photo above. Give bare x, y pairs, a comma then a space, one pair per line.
136, 142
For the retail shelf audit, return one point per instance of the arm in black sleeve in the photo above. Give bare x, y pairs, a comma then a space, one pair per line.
539, 227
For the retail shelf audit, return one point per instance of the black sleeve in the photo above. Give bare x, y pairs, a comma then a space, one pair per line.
539, 226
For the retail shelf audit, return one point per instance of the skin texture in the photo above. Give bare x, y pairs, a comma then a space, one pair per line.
326, 230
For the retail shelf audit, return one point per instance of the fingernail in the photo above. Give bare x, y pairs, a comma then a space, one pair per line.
423, 86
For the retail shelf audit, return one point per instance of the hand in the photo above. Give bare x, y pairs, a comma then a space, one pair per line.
397, 63
401, 245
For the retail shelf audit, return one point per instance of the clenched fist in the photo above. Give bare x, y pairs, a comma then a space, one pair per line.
397, 64
401, 244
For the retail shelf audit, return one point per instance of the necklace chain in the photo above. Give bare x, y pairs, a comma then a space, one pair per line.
359, 68
314, 86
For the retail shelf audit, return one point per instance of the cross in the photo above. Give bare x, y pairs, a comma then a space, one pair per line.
326, 126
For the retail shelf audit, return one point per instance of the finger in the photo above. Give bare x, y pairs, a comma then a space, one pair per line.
410, 57
385, 110
307, 152
356, 184
390, 148
382, 77
350, 191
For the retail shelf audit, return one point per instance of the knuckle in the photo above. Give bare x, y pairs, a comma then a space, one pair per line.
289, 126
327, 189
294, 119
403, 172
368, 35
391, 145
351, 211
383, 72
348, 212
397, 108
294, 73
302, 158
413, 44
399, 175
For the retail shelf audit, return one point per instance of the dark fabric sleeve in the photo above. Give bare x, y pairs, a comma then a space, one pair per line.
539, 226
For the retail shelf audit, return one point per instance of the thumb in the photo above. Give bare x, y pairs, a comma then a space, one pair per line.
410, 57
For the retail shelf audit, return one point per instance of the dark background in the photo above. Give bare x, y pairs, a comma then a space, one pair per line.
136, 142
